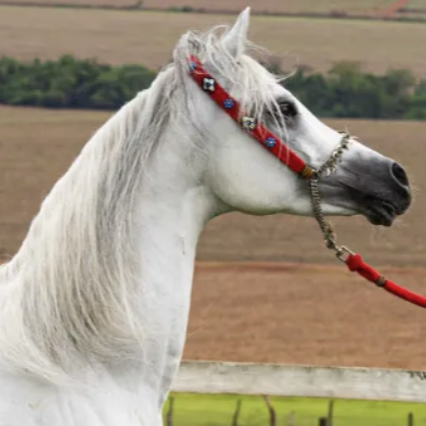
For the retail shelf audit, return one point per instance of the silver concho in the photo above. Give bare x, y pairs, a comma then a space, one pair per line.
209, 85
248, 123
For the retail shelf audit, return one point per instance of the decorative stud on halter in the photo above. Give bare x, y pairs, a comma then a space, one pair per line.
270, 142
248, 123
229, 103
209, 84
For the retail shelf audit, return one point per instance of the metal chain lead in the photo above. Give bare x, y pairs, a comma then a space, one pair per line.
327, 169
330, 165
326, 228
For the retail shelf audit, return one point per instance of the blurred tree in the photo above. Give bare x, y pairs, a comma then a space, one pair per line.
344, 91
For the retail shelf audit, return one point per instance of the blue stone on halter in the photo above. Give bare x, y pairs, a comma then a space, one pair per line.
192, 66
248, 123
270, 142
209, 85
228, 104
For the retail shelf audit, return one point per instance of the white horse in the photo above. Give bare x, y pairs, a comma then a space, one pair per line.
94, 306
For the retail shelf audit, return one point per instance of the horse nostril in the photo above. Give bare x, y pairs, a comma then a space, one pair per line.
399, 175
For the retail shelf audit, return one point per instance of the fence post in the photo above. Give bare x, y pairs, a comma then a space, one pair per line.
169, 417
236, 414
322, 421
330, 413
410, 419
272, 414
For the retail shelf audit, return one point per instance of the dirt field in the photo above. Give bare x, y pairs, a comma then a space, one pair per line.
119, 3
303, 314
277, 6
288, 6
264, 312
416, 4
133, 37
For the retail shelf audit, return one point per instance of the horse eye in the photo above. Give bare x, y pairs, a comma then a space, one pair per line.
288, 109
285, 109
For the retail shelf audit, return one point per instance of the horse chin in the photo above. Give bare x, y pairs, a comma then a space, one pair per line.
382, 213
378, 205
377, 212
380, 218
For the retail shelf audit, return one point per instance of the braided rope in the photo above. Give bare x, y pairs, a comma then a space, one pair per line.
327, 168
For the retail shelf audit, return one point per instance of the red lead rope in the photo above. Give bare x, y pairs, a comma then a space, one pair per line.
355, 263
277, 147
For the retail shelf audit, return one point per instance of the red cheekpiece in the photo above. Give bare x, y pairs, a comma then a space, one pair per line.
232, 107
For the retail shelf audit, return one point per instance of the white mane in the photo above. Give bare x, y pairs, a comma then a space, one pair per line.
66, 297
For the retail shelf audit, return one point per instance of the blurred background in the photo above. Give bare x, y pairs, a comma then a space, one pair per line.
266, 290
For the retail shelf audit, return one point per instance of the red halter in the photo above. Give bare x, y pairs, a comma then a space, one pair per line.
257, 130
278, 148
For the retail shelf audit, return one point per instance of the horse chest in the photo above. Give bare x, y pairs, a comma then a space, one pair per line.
28, 402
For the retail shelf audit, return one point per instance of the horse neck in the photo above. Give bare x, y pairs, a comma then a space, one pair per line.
114, 241
171, 216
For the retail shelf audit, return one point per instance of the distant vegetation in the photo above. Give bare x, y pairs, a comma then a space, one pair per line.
70, 83
344, 91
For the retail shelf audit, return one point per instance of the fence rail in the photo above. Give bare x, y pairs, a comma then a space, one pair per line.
293, 380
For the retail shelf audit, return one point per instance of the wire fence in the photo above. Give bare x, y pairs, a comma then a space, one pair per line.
257, 417
207, 393
306, 420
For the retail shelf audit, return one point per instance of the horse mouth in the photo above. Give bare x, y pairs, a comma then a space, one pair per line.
382, 213
380, 206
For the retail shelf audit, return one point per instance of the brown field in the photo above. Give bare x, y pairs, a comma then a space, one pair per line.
262, 310
98, 3
419, 7
416, 4
270, 6
277, 6
119, 37
303, 314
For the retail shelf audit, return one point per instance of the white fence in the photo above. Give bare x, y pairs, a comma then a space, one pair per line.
288, 380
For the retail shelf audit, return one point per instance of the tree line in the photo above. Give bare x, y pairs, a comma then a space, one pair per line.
344, 91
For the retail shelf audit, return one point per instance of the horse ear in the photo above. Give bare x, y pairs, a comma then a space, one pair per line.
235, 40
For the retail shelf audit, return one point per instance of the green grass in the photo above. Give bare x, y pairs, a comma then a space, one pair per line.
217, 410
